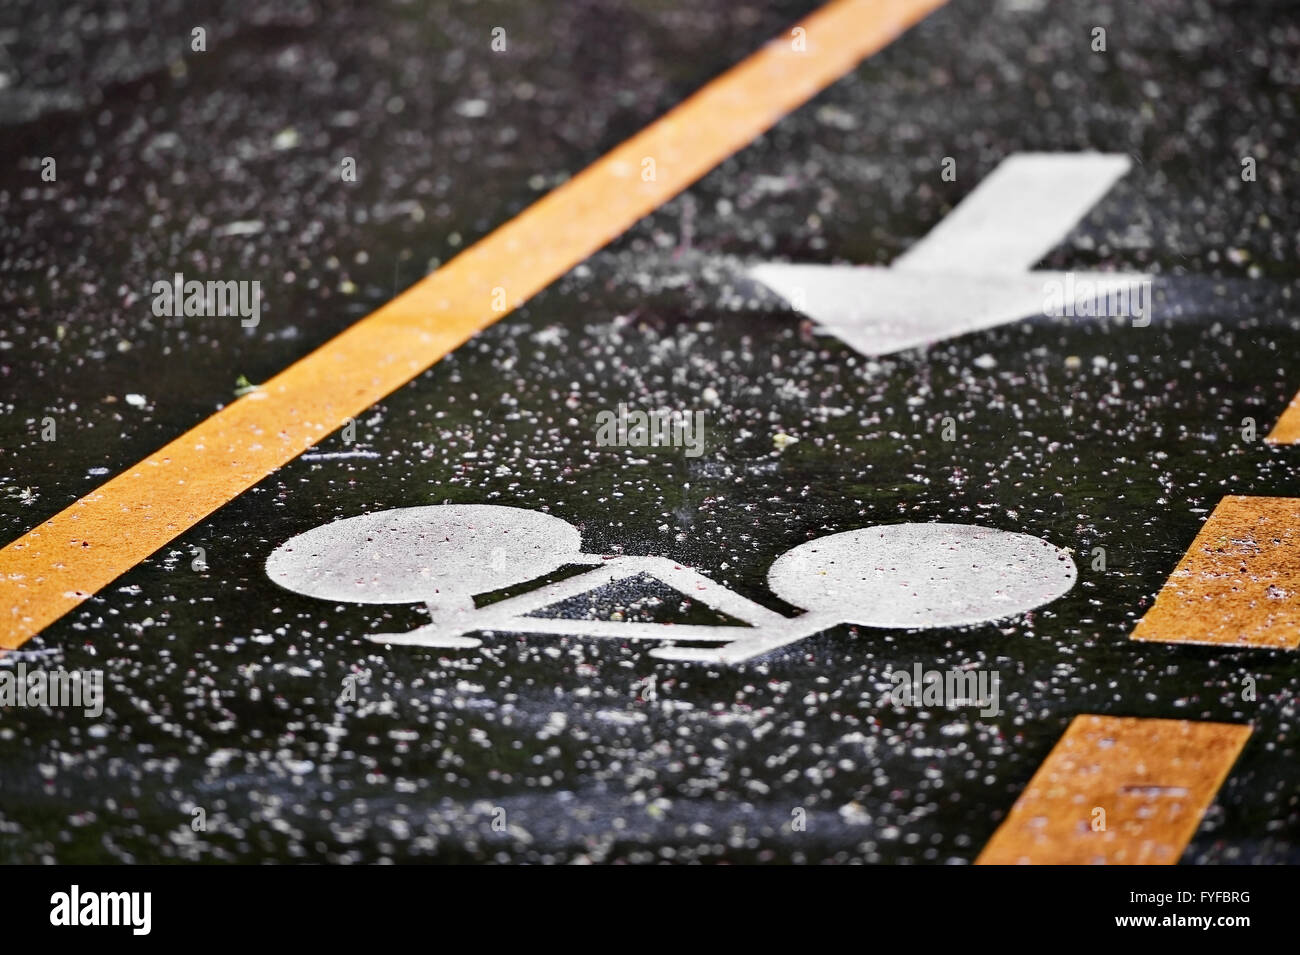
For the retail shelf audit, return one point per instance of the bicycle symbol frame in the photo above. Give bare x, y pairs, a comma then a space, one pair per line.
904, 576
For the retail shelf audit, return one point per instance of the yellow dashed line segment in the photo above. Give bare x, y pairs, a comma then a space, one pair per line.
1119, 791
1239, 583
1287, 429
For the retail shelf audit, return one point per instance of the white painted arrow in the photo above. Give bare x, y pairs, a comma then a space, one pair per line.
972, 270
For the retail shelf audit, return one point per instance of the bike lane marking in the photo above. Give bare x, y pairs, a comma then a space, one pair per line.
55, 566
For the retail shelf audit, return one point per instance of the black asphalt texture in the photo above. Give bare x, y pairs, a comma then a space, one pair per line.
223, 690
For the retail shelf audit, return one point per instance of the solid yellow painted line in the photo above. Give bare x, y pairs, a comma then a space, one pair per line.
54, 567
1119, 791
1287, 429
1238, 584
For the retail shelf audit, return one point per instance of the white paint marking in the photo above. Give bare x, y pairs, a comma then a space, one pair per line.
444, 553
905, 575
971, 271
339, 455
1017, 215
922, 575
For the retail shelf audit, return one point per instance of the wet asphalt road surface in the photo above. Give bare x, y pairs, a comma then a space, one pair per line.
223, 689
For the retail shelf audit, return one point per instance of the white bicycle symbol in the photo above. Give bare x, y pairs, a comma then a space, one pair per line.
905, 576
